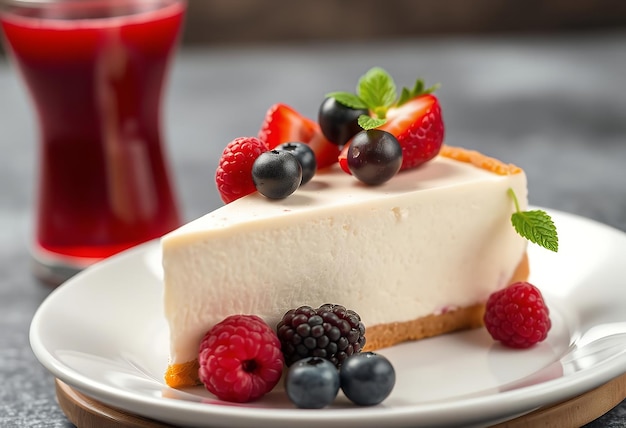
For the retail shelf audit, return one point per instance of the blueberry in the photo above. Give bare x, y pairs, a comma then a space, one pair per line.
305, 156
374, 156
312, 383
367, 378
338, 122
276, 174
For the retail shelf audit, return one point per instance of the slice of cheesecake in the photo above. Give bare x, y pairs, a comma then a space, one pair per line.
415, 257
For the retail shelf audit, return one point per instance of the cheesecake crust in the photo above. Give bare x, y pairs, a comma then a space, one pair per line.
479, 160
184, 374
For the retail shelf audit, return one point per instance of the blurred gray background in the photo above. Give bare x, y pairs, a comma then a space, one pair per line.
252, 21
230, 22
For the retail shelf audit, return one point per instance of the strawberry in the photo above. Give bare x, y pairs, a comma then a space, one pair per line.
414, 118
418, 126
283, 124
343, 159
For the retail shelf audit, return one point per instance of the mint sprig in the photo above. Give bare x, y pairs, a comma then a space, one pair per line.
535, 225
348, 99
376, 92
368, 122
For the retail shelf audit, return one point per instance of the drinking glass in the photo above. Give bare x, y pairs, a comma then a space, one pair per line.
96, 71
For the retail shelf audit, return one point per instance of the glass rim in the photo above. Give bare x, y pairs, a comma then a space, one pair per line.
98, 12
52, 3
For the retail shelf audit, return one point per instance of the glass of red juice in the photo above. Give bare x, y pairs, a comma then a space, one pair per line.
96, 71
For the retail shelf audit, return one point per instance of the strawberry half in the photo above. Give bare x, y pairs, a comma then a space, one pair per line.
283, 124
418, 126
414, 118
343, 158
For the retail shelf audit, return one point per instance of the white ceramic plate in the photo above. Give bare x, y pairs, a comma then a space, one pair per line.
103, 333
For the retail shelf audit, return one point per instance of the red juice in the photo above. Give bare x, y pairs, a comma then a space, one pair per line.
96, 79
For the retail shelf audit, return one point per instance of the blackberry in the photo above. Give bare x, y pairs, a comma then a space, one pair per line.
330, 331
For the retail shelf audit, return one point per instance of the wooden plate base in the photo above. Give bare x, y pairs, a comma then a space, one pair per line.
85, 412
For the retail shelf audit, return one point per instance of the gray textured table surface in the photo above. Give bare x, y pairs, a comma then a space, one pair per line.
555, 106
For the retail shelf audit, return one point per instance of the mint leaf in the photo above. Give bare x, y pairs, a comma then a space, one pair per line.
378, 90
536, 226
348, 99
368, 122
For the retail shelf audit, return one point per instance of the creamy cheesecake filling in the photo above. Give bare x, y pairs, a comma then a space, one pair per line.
430, 239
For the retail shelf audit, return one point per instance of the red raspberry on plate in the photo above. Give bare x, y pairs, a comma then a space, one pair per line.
517, 316
240, 359
234, 171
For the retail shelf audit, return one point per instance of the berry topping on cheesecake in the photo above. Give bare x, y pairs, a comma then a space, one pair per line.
234, 171
410, 132
374, 156
339, 122
276, 174
414, 118
283, 124
419, 128
305, 155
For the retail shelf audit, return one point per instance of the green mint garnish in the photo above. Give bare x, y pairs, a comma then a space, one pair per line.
367, 122
376, 92
348, 99
536, 226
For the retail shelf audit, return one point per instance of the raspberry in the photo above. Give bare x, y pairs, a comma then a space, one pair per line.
234, 171
517, 316
330, 331
240, 359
